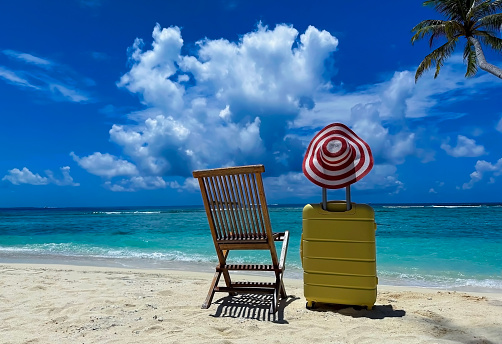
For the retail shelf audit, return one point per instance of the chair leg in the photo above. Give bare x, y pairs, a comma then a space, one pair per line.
228, 281
210, 294
226, 275
275, 302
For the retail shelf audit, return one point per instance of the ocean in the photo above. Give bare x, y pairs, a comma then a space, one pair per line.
458, 247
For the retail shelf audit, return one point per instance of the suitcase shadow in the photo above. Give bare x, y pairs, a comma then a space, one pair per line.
378, 311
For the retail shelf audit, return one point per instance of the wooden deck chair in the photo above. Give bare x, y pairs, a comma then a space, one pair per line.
238, 217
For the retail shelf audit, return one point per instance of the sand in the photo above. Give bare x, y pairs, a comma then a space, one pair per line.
79, 304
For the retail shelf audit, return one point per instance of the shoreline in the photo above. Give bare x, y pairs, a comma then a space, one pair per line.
95, 304
135, 263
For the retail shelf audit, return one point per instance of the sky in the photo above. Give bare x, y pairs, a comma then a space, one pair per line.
115, 103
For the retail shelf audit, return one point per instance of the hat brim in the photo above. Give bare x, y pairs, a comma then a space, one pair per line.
336, 176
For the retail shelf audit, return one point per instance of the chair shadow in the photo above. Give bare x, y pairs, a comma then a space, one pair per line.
252, 306
378, 311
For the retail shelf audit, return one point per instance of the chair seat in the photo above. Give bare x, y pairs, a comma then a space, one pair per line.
248, 267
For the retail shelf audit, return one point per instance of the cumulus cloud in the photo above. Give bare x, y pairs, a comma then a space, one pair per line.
137, 183
25, 176
229, 104
387, 148
292, 183
52, 79
260, 100
465, 148
105, 165
382, 178
482, 168
66, 180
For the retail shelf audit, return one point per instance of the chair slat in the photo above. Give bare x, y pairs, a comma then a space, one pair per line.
242, 194
230, 206
245, 192
238, 214
211, 204
259, 205
224, 207
255, 200
218, 208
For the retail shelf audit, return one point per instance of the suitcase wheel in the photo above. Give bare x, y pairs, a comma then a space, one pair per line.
310, 305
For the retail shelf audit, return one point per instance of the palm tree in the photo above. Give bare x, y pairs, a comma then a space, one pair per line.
476, 20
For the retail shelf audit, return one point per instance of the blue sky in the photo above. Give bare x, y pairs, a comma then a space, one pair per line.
109, 103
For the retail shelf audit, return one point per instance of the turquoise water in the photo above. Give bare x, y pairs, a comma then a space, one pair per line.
456, 246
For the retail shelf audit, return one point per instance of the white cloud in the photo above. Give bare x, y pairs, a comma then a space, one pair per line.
105, 165
432, 191
25, 176
68, 93
292, 183
499, 125
236, 113
381, 178
386, 148
383, 111
28, 58
55, 80
67, 179
465, 148
189, 184
15, 79
151, 71
260, 100
482, 168
137, 183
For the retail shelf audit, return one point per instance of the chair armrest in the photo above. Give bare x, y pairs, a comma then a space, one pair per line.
284, 250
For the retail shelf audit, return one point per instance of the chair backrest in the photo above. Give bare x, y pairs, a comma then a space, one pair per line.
235, 203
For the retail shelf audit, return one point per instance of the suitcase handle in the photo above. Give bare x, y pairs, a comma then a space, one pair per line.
325, 198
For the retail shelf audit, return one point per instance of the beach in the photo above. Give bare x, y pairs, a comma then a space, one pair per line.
42, 303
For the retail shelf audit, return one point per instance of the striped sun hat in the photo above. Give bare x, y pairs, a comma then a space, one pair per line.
337, 157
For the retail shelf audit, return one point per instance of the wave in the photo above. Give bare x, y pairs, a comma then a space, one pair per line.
72, 250
126, 212
471, 283
403, 206
456, 206
436, 206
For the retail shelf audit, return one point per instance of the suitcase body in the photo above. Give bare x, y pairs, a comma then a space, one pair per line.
338, 254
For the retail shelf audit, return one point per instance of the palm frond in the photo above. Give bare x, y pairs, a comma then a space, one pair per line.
437, 57
481, 9
427, 27
453, 9
453, 28
436, 29
425, 23
470, 59
493, 42
493, 22
448, 50
495, 6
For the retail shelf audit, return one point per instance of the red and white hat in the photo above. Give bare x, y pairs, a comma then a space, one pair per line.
337, 157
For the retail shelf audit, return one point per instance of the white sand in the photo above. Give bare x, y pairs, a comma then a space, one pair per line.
74, 304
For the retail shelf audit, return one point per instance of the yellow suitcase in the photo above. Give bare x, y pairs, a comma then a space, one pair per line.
338, 254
